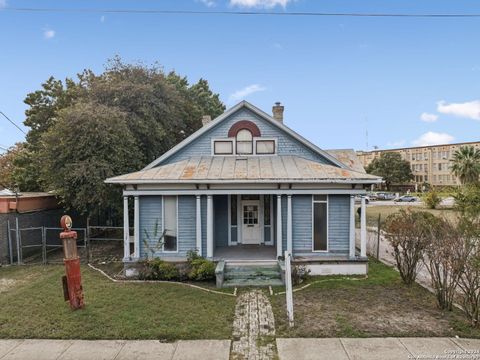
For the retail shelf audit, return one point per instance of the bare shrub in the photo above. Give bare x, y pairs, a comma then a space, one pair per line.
445, 259
408, 232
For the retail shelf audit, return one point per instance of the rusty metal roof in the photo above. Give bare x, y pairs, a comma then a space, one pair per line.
347, 157
237, 169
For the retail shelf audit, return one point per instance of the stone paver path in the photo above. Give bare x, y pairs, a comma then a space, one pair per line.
253, 327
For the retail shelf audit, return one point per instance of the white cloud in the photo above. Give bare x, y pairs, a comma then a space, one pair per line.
3, 4
209, 3
428, 117
246, 91
433, 138
102, 18
267, 4
48, 34
469, 109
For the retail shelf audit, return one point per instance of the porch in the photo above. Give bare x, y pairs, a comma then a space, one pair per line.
245, 253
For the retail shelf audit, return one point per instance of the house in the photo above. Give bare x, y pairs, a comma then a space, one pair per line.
245, 187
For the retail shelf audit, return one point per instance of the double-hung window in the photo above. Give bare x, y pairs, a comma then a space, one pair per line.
170, 243
320, 222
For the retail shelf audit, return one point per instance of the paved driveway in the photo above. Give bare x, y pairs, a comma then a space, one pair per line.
378, 349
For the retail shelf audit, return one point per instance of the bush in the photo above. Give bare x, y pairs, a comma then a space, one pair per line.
408, 232
432, 199
300, 273
201, 270
157, 269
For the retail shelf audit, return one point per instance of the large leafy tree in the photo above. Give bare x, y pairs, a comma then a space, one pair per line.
88, 143
391, 167
466, 164
154, 112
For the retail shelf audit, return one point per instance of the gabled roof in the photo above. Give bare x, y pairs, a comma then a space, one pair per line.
236, 169
257, 111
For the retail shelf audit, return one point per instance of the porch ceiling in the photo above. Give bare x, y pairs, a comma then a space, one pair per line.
211, 169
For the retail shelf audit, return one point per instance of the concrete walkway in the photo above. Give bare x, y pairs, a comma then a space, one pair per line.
113, 350
378, 349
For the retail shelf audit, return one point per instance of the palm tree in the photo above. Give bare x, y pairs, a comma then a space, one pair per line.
466, 164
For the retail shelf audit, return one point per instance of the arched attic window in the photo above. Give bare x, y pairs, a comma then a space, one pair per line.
244, 142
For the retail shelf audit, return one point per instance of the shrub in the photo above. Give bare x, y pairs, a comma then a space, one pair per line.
300, 273
445, 260
432, 199
192, 255
157, 269
408, 232
201, 270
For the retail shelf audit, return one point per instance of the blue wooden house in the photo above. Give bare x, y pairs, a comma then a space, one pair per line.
246, 188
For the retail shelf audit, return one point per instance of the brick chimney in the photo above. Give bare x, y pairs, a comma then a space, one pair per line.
277, 111
206, 119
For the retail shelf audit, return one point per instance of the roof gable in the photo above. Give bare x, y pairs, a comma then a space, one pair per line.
290, 143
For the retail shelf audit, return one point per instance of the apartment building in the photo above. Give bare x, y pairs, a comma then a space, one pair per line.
430, 164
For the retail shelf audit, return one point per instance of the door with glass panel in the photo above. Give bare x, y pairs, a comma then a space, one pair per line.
250, 222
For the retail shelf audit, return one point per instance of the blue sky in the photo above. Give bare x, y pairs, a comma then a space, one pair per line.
410, 81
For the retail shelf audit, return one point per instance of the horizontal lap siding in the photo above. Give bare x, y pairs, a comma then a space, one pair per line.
186, 224
338, 223
302, 223
287, 145
150, 223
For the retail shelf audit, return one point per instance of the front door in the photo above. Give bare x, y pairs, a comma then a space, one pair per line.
251, 224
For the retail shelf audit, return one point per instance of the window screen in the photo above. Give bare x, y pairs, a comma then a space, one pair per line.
170, 223
244, 142
265, 147
320, 225
223, 147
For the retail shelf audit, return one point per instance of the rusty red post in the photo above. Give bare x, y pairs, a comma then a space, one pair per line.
72, 282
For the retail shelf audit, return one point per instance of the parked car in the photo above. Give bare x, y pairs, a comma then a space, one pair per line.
358, 199
406, 198
385, 196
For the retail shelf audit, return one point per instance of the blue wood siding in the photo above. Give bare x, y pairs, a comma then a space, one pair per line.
338, 223
220, 206
186, 224
302, 223
286, 144
150, 223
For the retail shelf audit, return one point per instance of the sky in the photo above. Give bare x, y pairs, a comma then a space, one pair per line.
402, 81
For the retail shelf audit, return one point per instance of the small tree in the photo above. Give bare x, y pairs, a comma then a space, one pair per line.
407, 232
432, 198
391, 167
445, 259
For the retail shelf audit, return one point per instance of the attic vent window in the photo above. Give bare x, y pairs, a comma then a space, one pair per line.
244, 141
223, 147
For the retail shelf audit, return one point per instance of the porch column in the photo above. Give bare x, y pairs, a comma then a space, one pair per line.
126, 230
363, 229
352, 226
209, 226
289, 224
199, 225
279, 225
136, 230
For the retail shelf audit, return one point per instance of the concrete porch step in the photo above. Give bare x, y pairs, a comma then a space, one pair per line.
252, 282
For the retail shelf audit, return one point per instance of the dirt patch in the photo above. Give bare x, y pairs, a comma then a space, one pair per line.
366, 311
6, 284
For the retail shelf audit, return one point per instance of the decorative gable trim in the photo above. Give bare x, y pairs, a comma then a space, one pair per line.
256, 111
244, 124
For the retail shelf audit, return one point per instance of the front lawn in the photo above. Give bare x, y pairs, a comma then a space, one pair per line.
32, 306
379, 306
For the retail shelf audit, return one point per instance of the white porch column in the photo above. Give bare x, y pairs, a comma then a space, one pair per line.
363, 229
209, 226
289, 224
136, 230
352, 226
199, 225
126, 230
279, 225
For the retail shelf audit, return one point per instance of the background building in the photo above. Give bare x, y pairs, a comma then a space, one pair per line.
429, 164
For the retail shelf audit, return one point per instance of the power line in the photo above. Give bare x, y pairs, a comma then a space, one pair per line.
238, 13
18, 127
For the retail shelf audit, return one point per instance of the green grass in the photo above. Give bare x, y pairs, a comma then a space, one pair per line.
377, 306
34, 308
385, 210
